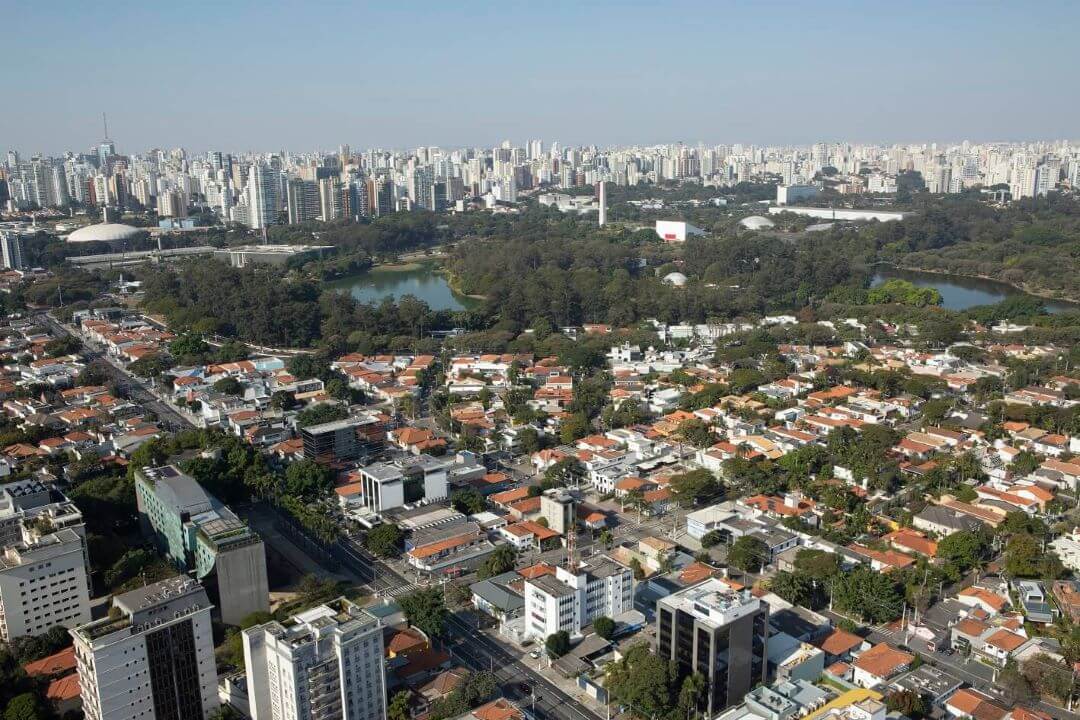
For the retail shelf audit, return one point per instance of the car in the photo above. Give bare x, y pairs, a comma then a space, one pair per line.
524, 688
535, 654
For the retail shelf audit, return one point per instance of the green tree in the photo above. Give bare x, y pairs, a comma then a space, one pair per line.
528, 440
962, 550
229, 386
642, 681
282, 400
425, 609
1024, 463
398, 709
384, 540
697, 433
188, 346
557, 644
712, 538
501, 560
744, 380
320, 413
307, 479
574, 428
748, 553
26, 707
604, 627
867, 594
226, 712
907, 702
691, 695
468, 501
694, 486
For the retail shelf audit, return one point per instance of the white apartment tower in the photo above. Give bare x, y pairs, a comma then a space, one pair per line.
323, 664
571, 600
44, 576
11, 249
152, 657
262, 190
603, 203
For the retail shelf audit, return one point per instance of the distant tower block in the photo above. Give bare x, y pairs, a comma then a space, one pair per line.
603, 203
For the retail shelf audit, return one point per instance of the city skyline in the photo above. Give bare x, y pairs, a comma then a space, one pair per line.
602, 74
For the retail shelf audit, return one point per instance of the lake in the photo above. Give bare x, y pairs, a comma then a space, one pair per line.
961, 293
419, 279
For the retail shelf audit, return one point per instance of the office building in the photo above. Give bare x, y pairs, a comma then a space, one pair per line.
354, 438
44, 566
11, 250
152, 658
719, 632
570, 600
788, 194
406, 481
201, 535
323, 664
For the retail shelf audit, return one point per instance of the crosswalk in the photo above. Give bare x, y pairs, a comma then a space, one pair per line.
386, 584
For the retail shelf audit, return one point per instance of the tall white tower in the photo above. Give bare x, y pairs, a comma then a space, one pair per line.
603, 203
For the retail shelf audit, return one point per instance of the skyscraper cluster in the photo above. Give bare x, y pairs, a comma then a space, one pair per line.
262, 189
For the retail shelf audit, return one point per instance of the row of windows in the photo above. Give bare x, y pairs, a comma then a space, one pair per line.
42, 567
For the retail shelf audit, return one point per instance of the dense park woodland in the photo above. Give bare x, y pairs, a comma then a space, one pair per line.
542, 269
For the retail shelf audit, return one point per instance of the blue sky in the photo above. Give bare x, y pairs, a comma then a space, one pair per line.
264, 75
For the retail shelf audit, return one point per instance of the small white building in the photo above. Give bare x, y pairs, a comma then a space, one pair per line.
676, 230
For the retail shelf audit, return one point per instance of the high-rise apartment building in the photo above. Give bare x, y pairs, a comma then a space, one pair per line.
44, 565
329, 199
303, 201
151, 658
262, 190
199, 534
719, 632
323, 664
11, 250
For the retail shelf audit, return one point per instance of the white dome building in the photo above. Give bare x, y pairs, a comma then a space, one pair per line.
675, 278
105, 232
757, 222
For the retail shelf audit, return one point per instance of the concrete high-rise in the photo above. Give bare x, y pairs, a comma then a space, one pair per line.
323, 664
263, 201
603, 203
303, 201
719, 632
44, 565
152, 657
199, 534
11, 250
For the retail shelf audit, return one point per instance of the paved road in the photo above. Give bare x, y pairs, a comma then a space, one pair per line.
479, 651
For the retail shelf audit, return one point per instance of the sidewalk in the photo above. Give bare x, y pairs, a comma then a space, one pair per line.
566, 685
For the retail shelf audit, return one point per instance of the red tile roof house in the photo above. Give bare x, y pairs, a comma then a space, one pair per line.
970, 703
59, 669
877, 665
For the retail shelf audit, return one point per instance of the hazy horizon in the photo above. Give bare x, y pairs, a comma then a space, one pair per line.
240, 77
